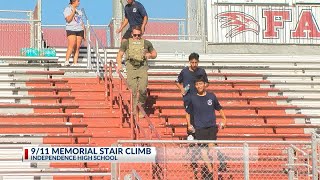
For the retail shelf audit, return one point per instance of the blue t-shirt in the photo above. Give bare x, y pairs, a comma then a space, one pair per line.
188, 77
135, 13
76, 23
203, 109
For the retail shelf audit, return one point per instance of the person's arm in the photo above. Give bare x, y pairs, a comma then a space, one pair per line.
143, 13
218, 107
144, 23
180, 86
190, 127
70, 17
120, 54
205, 76
152, 53
189, 110
224, 119
179, 83
123, 25
119, 60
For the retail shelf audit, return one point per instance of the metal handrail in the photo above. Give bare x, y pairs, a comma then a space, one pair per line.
299, 150
61, 25
96, 50
15, 11
33, 18
171, 35
316, 134
92, 30
151, 126
135, 175
19, 20
293, 162
139, 107
159, 19
112, 64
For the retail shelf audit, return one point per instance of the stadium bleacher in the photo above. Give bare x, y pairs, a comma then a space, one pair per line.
271, 102
44, 103
261, 104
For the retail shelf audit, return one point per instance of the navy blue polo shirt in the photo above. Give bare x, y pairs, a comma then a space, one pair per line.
203, 109
189, 77
135, 13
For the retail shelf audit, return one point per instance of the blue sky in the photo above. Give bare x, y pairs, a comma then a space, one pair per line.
98, 11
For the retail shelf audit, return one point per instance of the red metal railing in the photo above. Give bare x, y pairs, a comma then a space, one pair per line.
123, 97
152, 129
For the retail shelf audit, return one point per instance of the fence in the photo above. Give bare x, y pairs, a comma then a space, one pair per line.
165, 29
157, 29
229, 160
20, 29
55, 35
161, 28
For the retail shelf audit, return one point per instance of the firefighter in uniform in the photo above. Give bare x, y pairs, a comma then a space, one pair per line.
138, 51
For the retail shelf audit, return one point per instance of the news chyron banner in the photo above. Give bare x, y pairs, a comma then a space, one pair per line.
89, 154
166, 154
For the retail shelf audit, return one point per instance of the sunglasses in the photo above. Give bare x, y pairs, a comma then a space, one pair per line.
136, 35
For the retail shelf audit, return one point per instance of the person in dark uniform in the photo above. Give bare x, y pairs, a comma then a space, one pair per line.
135, 15
202, 106
186, 82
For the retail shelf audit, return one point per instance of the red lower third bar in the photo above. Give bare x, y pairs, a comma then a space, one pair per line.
26, 154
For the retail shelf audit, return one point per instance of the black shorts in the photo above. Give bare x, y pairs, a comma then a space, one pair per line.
76, 33
209, 133
127, 34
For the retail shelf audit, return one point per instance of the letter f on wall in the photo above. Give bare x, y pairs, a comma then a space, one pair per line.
274, 20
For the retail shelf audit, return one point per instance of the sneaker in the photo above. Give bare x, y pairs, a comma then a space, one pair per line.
66, 63
141, 115
190, 138
74, 64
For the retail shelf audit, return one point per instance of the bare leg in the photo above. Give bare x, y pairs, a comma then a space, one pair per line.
205, 157
71, 44
76, 50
